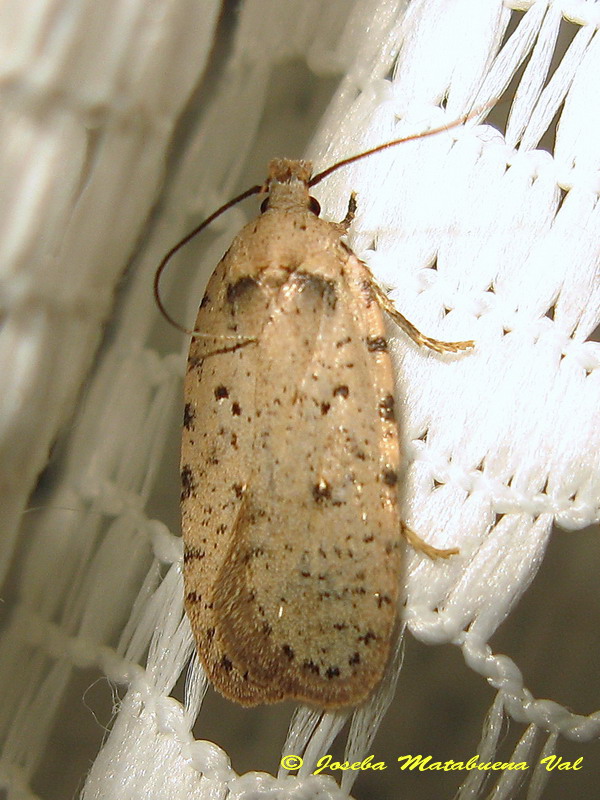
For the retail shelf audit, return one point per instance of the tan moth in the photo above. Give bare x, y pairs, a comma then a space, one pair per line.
290, 459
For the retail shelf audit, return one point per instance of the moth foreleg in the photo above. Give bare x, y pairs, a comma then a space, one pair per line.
344, 224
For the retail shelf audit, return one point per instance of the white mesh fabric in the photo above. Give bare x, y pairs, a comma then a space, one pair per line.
468, 230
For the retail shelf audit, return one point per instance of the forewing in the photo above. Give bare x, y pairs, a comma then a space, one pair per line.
307, 592
216, 456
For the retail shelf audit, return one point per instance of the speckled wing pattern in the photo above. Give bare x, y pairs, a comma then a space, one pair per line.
289, 469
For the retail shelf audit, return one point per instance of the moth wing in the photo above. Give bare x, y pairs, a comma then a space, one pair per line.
308, 588
223, 367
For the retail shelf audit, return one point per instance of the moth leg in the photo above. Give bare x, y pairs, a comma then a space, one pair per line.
350, 214
421, 546
414, 333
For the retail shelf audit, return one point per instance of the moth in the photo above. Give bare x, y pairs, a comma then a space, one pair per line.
290, 457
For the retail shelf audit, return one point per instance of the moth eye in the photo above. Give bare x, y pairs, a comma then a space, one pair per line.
313, 205
264, 205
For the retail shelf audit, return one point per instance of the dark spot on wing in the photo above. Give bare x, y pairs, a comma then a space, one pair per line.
390, 477
221, 392
226, 664
341, 391
368, 637
321, 492
311, 667
192, 554
366, 288
237, 290
377, 344
250, 553
188, 484
288, 651
383, 599
318, 285
189, 415
386, 408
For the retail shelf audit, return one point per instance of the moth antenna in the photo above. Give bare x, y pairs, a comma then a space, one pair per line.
313, 181
432, 132
188, 237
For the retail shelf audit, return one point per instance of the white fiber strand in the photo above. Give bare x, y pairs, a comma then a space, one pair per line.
475, 233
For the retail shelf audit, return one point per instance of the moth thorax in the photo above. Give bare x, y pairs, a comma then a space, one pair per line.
274, 275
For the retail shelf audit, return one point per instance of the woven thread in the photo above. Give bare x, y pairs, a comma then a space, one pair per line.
474, 235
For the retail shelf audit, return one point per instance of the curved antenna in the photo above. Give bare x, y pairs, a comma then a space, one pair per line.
161, 267
313, 181
432, 132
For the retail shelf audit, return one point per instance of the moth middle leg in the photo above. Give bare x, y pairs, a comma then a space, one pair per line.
387, 305
413, 332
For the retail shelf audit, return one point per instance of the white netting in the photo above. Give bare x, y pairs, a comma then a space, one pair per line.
475, 235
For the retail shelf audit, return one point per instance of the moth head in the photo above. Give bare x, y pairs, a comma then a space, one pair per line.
286, 170
287, 186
